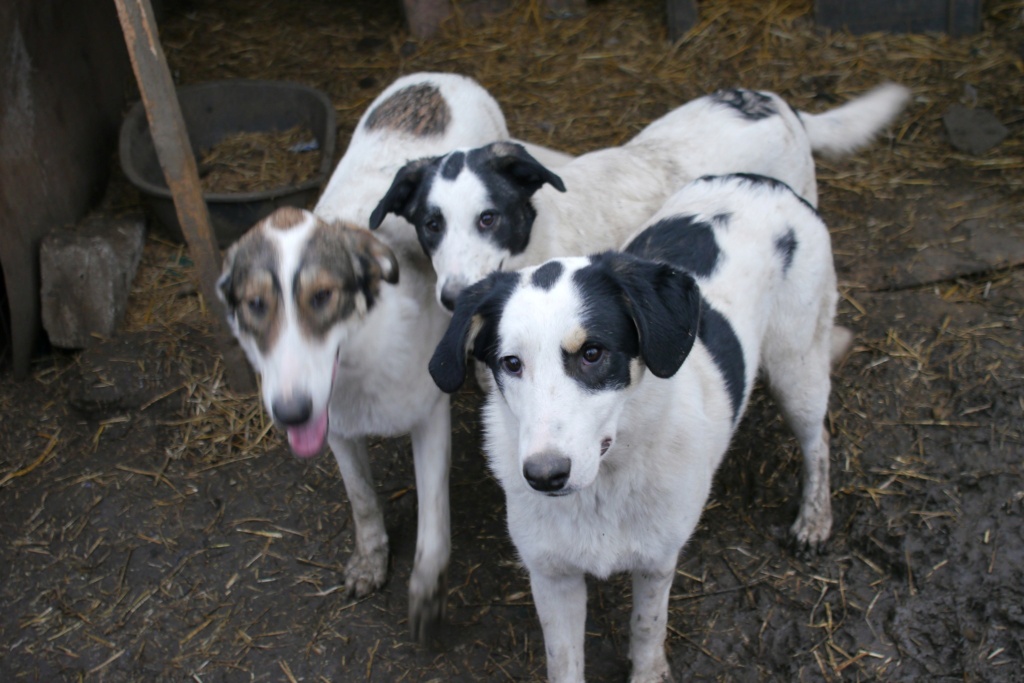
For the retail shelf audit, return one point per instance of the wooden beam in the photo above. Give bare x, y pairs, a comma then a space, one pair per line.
170, 138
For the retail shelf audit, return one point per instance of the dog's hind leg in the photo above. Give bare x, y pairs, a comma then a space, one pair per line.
428, 590
649, 624
367, 568
800, 383
561, 602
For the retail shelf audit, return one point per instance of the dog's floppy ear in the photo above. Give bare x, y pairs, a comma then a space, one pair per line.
225, 286
665, 304
515, 163
477, 308
398, 199
373, 256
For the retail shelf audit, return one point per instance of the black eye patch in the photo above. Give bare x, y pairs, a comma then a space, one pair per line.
606, 324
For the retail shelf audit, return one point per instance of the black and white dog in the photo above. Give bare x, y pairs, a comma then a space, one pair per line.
620, 378
498, 208
342, 343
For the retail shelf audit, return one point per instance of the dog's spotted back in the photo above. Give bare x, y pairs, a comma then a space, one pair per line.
418, 110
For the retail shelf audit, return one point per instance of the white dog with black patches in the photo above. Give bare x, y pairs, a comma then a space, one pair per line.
342, 342
498, 208
619, 380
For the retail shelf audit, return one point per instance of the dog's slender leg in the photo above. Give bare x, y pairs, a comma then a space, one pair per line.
801, 386
561, 603
428, 590
814, 523
367, 568
648, 625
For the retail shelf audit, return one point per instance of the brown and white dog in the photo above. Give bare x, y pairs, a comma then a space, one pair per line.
340, 324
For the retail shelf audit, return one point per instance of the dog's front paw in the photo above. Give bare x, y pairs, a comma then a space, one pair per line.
658, 674
811, 531
366, 572
428, 601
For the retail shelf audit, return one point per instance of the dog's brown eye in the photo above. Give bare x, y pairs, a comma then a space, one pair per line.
320, 298
488, 219
257, 306
512, 365
592, 353
432, 225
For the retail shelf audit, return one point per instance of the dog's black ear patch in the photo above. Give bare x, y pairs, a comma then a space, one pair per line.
515, 163
665, 304
400, 198
473, 329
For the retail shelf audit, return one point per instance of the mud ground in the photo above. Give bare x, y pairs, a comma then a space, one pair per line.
142, 540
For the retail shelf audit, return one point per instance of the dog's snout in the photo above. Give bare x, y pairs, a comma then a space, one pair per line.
293, 411
547, 472
449, 293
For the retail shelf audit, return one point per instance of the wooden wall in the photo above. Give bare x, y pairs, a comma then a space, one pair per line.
64, 72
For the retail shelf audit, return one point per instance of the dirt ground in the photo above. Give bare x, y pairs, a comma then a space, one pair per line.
154, 528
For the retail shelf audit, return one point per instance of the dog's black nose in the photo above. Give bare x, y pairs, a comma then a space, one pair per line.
449, 293
294, 410
547, 472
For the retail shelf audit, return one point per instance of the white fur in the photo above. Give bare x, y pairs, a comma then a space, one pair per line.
612, 190
380, 385
633, 508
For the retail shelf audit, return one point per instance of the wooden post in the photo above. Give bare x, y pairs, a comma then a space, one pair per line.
170, 139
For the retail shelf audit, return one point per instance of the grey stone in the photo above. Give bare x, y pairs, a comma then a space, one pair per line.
86, 274
974, 131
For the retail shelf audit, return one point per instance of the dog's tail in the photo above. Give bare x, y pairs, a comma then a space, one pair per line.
848, 127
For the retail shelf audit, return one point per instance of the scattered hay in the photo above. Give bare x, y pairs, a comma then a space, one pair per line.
594, 80
924, 378
259, 161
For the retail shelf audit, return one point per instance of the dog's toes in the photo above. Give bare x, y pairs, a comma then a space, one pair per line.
428, 601
660, 674
366, 573
810, 535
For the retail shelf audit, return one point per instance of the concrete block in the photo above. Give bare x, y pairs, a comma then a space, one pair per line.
86, 273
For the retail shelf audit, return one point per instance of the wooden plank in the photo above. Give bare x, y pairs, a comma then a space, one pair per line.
174, 150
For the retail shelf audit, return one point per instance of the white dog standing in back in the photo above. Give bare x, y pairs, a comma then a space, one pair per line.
342, 342
620, 378
498, 208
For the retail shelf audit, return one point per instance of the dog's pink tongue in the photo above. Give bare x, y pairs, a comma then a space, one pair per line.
308, 440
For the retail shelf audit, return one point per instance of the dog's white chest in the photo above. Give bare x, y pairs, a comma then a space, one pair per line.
622, 522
